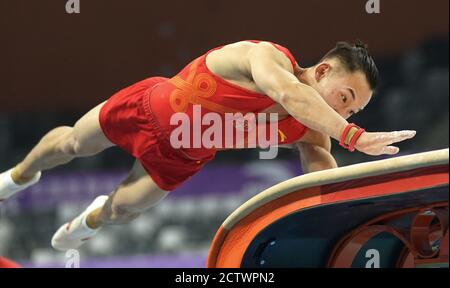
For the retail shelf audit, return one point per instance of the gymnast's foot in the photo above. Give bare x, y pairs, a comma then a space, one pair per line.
10, 185
75, 233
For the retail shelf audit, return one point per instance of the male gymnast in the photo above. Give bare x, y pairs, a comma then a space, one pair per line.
312, 104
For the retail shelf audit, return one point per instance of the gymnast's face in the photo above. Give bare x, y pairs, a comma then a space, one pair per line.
346, 92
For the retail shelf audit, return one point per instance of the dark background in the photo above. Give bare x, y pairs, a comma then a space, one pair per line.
53, 61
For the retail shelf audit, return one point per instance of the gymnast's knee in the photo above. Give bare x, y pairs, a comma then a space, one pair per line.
71, 145
68, 144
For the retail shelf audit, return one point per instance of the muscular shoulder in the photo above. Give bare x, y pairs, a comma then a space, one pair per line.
268, 51
230, 58
235, 58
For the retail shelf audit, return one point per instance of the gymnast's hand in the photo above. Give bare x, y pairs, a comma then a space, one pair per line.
379, 143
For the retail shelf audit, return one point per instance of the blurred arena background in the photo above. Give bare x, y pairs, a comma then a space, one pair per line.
55, 66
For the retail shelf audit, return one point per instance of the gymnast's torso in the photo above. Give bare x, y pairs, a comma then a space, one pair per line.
139, 118
220, 81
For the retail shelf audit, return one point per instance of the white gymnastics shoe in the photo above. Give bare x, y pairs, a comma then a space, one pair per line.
75, 233
8, 187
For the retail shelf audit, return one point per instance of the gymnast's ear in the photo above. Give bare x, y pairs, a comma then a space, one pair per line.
321, 70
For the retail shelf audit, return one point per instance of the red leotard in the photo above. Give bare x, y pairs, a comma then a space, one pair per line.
137, 118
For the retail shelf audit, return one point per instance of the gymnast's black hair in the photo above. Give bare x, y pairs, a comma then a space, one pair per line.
356, 57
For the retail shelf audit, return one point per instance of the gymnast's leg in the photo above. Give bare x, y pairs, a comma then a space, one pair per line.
57, 147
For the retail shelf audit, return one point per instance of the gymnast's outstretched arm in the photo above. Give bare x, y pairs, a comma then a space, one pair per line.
274, 76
